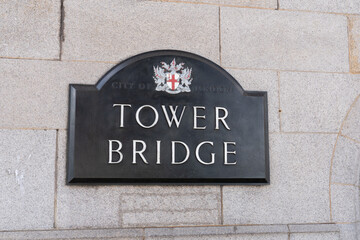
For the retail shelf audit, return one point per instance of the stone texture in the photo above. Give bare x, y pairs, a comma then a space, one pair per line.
346, 162
84, 206
315, 102
27, 179
313, 228
34, 94
299, 189
229, 237
354, 43
283, 40
348, 231
315, 236
189, 231
262, 229
113, 234
114, 206
337, 6
114, 30
272, 4
225, 230
170, 206
262, 81
351, 126
344, 202
30, 29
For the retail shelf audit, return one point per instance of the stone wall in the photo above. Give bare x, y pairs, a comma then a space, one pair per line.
306, 54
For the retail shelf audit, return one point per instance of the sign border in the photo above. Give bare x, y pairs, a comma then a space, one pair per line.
73, 88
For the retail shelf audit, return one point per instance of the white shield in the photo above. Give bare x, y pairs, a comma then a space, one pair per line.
172, 80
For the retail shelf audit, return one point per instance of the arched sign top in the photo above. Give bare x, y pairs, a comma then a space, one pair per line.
167, 117
165, 53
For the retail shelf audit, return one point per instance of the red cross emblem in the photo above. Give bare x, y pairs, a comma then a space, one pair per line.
172, 81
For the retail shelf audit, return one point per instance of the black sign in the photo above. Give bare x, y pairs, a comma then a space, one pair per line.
167, 117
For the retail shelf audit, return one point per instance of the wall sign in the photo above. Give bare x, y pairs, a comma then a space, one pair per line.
167, 117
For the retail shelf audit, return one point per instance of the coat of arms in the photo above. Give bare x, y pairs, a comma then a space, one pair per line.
173, 78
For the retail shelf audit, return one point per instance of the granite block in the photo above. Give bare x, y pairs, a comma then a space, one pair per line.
30, 29
113, 30
283, 40
27, 178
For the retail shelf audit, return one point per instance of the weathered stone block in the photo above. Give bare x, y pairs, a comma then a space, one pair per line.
313, 228
351, 126
346, 162
348, 231
189, 231
30, 29
272, 4
118, 234
213, 231
315, 102
337, 6
261, 229
84, 206
114, 30
113, 206
164, 206
230, 237
262, 81
354, 42
283, 40
46, 83
314, 236
344, 201
299, 189
27, 179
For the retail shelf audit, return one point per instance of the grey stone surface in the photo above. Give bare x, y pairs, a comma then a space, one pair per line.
170, 206
34, 94
346, 162
114, 30
315, 102
313, 228
84, 206
229, 237
272, 4
299, 189
27, 179
189, 231
348, 231
262, 81
30, 29
351, 126
315, 236
224, 230
262, 39
344, 202
354, 42
113, 234
261, 229
114, 206
337, 6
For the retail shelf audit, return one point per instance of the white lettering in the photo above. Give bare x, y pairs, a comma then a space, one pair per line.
139, 152
111, 151
158, 142
155, 120
222, 119
122, 106
173, 152
195, 108
173, 114
198, 157
226, 152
